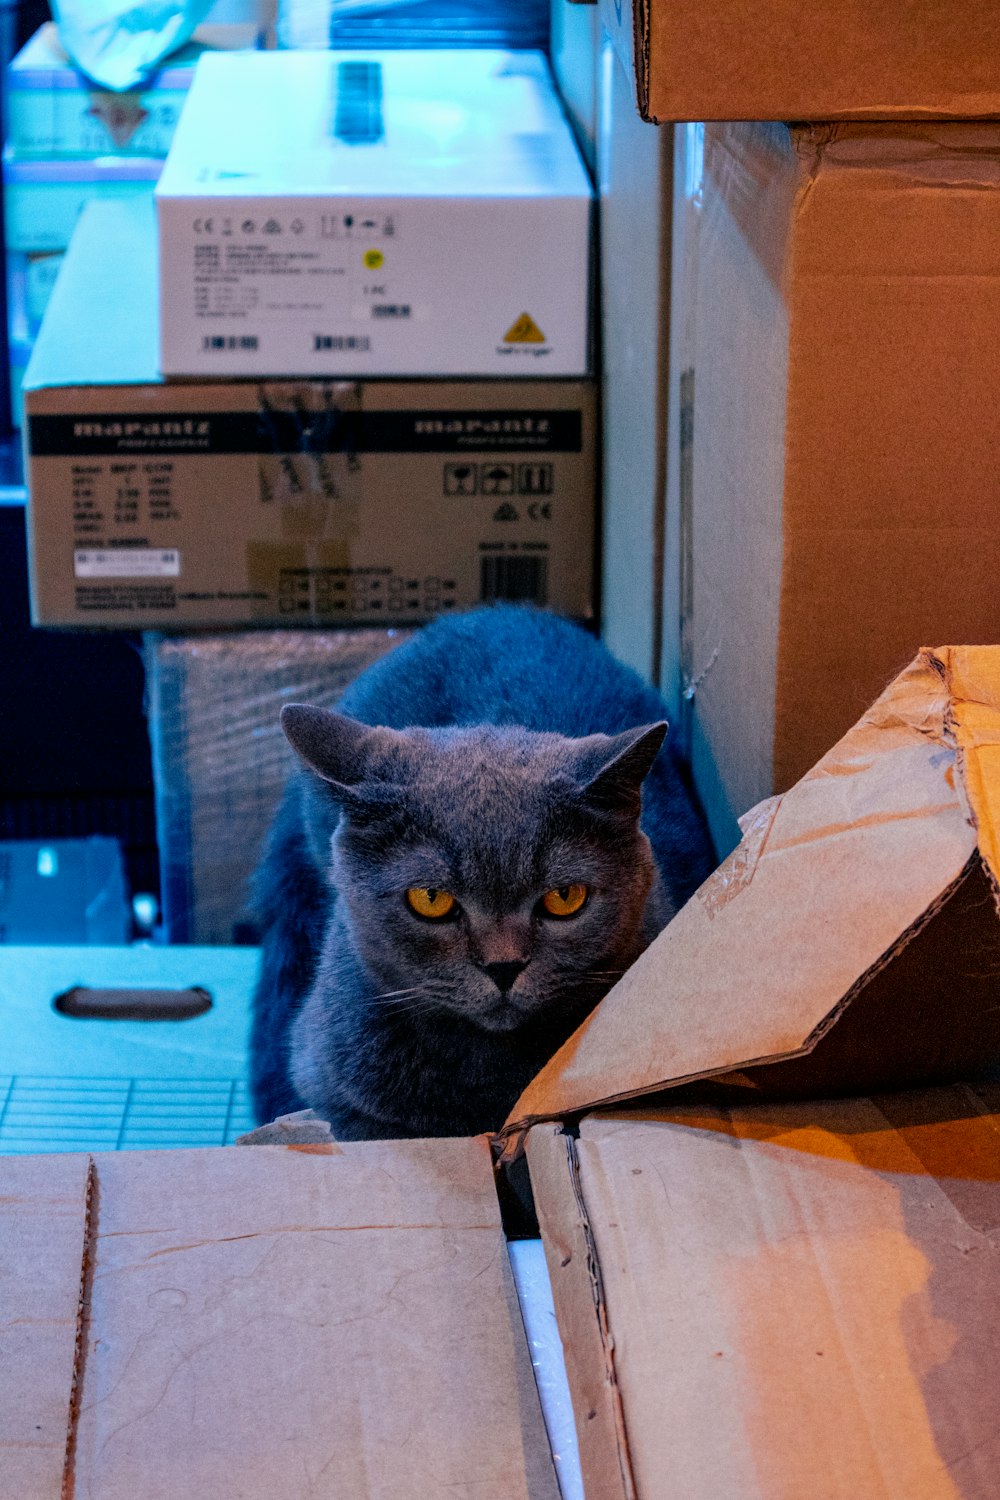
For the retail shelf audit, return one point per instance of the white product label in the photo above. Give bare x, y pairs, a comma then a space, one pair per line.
128, 563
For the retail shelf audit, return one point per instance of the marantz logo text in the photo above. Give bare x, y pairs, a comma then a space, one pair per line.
189, 427
480, 426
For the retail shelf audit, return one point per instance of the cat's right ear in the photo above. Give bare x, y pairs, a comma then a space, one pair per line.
337, 748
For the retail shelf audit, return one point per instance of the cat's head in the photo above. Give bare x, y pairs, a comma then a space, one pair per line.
488, 872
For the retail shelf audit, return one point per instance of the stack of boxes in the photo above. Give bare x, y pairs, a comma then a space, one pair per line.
824, 501
368, 403
69, 141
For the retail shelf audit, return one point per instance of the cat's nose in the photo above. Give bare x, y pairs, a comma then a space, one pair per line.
503, 975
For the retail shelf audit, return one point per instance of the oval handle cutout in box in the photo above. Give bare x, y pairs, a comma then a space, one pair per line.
85, 1003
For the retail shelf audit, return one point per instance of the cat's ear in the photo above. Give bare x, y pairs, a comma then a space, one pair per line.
337, 748
615, 766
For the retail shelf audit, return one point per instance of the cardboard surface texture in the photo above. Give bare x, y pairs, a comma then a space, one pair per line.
726, 60
278, 1320
45, 1204
824, 955
342, 501
830, 495
778, 1301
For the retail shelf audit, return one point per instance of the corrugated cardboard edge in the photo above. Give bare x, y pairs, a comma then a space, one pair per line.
972, 722
954, 718
588, 1345
83, 1303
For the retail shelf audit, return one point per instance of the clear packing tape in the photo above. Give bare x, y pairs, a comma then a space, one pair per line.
119, 43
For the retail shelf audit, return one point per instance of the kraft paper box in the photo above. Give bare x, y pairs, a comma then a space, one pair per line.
224, 503
756, 1297
768, 1302
261, 1322
387, 213
726, 60
774, 1299
831, 500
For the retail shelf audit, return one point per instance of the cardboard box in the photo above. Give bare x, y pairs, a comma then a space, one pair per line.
339, 503
790, 1299
831, 499
858, 911
265, 1321
209, 698
781, 1301
44, 199
396, 213
54, 111
755, 1298
726, 60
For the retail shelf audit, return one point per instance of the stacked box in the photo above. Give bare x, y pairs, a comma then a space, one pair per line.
831, 496
69, 141
220, 760
412, 213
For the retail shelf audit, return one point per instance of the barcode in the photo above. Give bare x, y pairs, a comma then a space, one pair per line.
339, 342
513, 579
359, 103
390, 309
216, 341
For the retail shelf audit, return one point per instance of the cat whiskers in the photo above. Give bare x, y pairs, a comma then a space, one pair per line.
414, 998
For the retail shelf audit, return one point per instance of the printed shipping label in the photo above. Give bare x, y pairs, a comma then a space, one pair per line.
128, 563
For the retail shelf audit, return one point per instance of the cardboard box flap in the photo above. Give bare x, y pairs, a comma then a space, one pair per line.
799, 1299
833, 943
292, 1321
45, 1208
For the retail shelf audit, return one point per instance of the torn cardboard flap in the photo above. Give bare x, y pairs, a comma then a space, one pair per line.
290, 1321
791, 1299
849, 943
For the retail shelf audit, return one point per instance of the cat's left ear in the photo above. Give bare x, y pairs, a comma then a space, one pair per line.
337, 748
616, 765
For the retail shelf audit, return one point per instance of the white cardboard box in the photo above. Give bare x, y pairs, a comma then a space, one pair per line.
393, 213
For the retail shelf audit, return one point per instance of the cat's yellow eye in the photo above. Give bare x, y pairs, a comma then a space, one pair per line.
428, 901
565, 900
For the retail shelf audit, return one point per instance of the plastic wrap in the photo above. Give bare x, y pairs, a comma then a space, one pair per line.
220, 760
119, 43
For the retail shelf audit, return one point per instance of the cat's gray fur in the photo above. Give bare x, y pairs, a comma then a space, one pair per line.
408, 1026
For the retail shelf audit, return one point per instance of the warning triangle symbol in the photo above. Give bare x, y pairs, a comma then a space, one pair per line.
524, 330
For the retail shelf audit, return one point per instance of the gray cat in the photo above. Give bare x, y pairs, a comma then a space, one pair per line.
460, 874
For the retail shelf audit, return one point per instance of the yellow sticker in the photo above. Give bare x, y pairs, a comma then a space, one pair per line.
373, 259
524, 331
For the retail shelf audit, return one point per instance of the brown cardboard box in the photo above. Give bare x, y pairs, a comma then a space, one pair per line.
290, 502
831, 475
727, 60
774, 1302
756, 1298
785, 1299
859, 909
220, 760
263, 1322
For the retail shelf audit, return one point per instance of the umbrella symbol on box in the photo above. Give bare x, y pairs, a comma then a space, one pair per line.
497, 479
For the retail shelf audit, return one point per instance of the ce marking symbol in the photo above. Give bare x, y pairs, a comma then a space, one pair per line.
540, 510
204, 226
